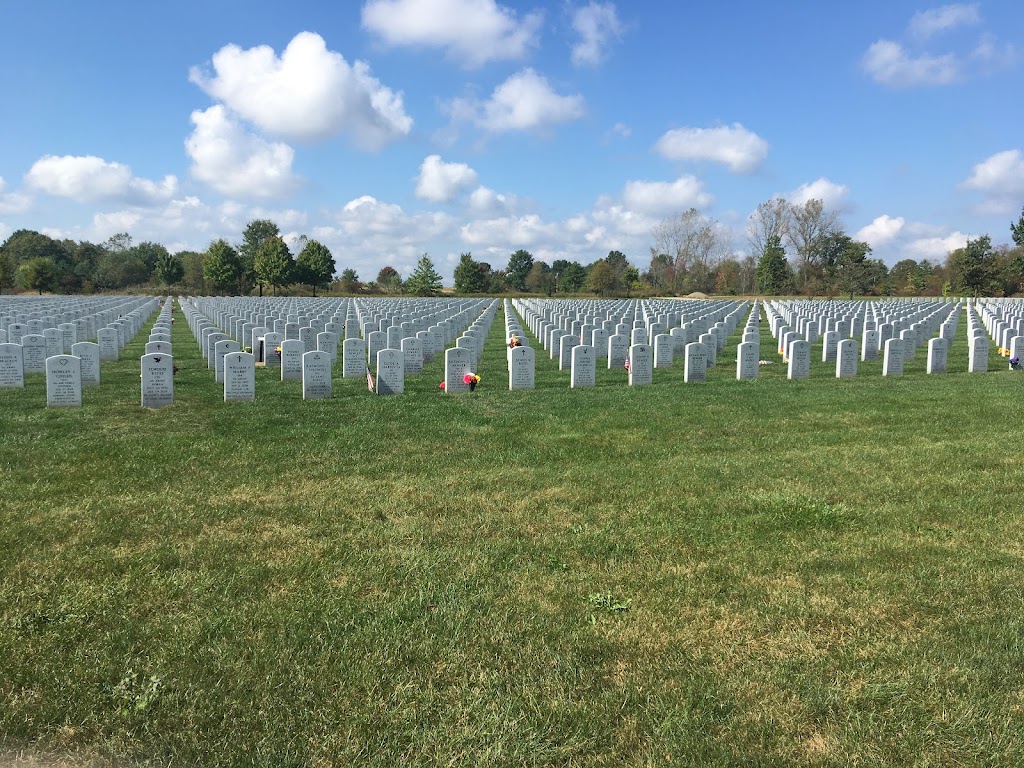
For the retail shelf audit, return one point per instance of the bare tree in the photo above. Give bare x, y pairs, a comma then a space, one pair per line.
696, 245
771, 219
811, 224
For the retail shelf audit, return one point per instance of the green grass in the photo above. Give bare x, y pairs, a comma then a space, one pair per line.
807, 573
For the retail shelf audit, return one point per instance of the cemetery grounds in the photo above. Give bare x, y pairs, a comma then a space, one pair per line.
812, 573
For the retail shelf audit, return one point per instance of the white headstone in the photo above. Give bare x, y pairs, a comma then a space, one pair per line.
746, 360
663, 349
584, 367
63, 381
390, 372
937, 349
220, 349
521, 363
12, 372
696, 365
846, 359
892, 362
353, 358
157, 380
33, 353
412, 349
977, 360
107, 339
641, 365
89, 354
618, 349
239, 376
800, 359
457, 363
292, 351
316, 375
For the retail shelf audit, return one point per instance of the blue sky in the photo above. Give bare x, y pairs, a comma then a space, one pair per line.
389, 128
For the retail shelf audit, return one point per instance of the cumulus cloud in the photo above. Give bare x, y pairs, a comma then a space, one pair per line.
740, 150
934, 248
1000, 178
90, 179
831, 194
307, 94
235, 162
485, 201
516, 231
471, 31
660, 197
598, 25
890, 64
925, 24
884, 229
12, 202
525, 101
441, 182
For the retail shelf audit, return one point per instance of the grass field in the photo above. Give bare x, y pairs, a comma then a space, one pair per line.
814, 573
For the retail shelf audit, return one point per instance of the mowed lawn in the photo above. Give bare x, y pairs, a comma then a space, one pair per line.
814, 573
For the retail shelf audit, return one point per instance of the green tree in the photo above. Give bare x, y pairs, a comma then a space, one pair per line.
539, 279
349, 281
469, 277
854, 273
970, 267
389, 281
222, 268
601, 279
773, 273
256, 233
168, 269
8, 270
573, 278
1017, 230
116, 270
149, 254
315, 265
424, 280
38, 274
274, 263
193, 279
518, 268
629, 281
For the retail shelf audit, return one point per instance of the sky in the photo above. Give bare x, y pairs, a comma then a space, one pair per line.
386, 129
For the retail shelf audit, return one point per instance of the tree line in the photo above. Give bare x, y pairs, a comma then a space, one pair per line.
792, 249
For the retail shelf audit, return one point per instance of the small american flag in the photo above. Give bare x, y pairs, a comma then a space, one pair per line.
626, 365
369, 379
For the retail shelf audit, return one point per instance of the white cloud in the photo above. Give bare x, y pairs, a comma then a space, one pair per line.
934, 248
993, 54
91, 179
597, 24
831, 194
525, 101
237, 163
472, 31
1000, 178
889, 63
484, 201
660, 197
740, 150
925, 24
516, 231
13, 202
306, 94
441, 182
884, 229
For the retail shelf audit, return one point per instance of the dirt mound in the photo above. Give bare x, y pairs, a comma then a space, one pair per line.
695, 295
